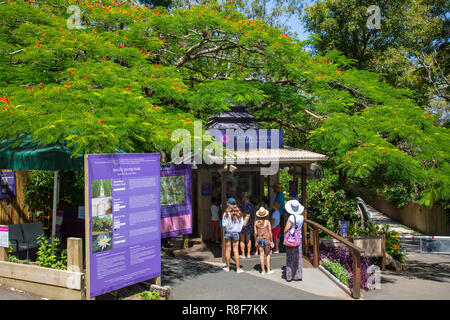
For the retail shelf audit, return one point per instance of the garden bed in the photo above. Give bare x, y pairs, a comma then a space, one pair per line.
45, 282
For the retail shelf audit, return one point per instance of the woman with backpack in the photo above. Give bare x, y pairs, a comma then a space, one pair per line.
293, 240
232, 224
263, 234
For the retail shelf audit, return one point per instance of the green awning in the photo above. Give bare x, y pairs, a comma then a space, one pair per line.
29, 155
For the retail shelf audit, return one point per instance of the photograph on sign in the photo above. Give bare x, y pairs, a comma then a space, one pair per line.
176, 200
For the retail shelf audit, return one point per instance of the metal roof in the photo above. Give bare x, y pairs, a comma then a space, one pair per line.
283, 155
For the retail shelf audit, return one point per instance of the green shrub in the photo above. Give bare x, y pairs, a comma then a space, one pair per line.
337, 270
50, 254
147, 295
11, 256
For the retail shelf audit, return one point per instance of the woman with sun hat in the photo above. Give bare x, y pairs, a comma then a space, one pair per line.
294, 267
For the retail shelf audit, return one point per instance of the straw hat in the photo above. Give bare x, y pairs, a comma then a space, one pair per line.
262, 212
293, 207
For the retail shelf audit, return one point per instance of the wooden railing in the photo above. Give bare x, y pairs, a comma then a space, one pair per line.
356, 252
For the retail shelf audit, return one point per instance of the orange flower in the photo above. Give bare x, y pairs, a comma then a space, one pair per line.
66, 85
30, 89
39, 46
168, 132
72, 71
61, 28
127, 89
85, 76
351, 150
41, 85
101, 121
95, 31
104, 59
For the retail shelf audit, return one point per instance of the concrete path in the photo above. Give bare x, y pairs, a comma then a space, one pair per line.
427, 275
195, 280
382, 219
7, 293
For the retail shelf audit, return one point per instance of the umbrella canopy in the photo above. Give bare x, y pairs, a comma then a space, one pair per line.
29, 155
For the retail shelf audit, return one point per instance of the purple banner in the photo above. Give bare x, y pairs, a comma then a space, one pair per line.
7, 185
124, 224
176, 200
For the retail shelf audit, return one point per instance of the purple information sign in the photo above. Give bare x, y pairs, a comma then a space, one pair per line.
176, 200
124, 220
7, 185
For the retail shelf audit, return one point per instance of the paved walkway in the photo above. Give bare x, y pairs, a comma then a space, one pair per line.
15, 294
427, 275
194, 280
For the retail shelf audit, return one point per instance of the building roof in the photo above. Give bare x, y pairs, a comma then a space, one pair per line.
263, 156
236, 118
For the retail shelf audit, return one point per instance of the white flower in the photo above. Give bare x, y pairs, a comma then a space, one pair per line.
103, 242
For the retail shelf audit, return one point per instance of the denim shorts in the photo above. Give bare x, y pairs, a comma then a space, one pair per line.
263, 242
231, 235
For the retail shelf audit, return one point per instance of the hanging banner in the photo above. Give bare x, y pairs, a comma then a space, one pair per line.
122, 220
176, 200
7, 185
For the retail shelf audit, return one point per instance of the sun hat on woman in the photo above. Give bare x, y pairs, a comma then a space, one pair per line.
294, 207
262, 212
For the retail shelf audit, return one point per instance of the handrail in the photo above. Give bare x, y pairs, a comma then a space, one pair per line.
357, 251
336, 236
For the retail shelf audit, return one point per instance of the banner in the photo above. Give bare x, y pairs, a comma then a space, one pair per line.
176, 200
7, 185
123, 221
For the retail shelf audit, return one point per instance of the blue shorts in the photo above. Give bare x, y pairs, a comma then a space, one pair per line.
263, 242
231, 235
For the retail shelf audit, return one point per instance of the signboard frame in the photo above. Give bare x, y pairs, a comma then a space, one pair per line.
88, 246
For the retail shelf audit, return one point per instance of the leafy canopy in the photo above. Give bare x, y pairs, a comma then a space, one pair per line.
130, 75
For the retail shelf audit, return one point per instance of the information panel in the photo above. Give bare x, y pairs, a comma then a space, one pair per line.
7, 185
176, 200
123, 222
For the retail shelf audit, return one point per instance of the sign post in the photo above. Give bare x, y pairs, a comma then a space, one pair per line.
122, 220
343, 228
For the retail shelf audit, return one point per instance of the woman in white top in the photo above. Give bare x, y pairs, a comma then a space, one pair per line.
294, 267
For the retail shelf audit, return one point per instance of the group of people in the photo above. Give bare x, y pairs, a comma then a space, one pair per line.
240, 221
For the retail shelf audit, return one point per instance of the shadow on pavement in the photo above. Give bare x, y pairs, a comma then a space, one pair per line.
174, 269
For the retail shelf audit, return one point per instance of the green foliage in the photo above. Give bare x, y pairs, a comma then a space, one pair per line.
103, 224
149, 295
11, 256
392, 238
330, 204
337, 270
50, 254
38, 190
116, 295
130, 81
410, 48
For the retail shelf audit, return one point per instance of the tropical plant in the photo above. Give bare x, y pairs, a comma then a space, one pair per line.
344, 257
150, 295
11, 257
50, 254
337, 270
38, 190
131, 75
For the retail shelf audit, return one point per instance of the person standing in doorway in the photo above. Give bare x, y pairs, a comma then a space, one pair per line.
294, 266
232, 224
215, 219
279, 197
248, 212
275, 221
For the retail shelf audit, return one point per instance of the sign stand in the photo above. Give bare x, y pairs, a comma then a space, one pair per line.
86, 228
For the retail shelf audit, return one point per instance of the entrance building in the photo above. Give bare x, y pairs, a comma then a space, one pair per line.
250, 169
